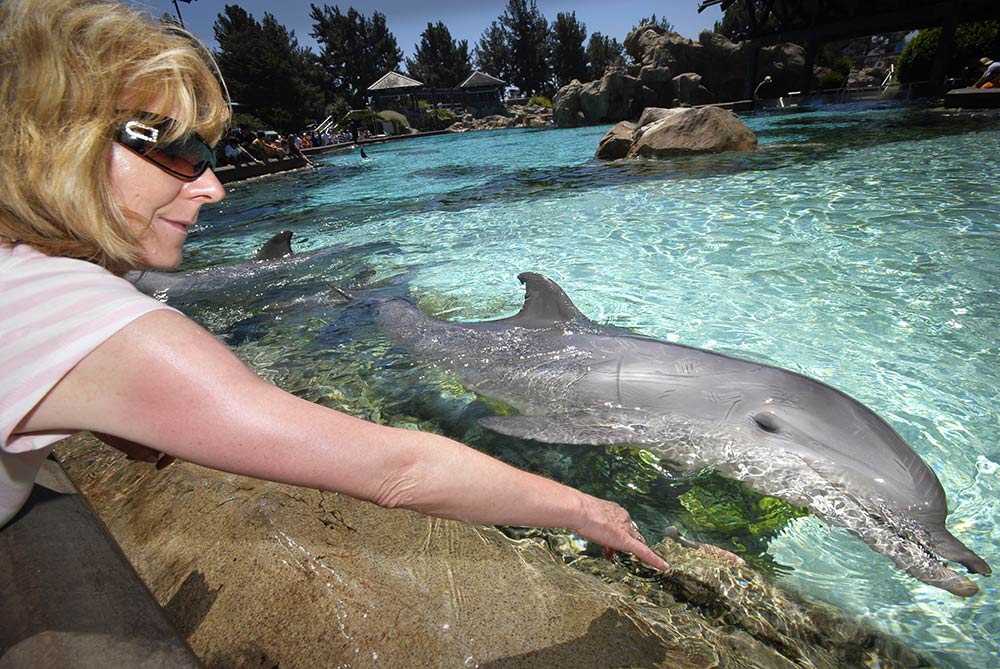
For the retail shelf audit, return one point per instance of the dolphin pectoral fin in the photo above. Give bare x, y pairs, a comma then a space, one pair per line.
579, 428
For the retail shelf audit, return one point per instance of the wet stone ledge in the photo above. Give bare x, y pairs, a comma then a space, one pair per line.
257, 574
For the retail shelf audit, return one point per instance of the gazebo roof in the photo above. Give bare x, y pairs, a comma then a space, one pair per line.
478, 78
393, 80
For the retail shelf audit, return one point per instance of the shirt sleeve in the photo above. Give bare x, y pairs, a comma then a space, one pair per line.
53, 313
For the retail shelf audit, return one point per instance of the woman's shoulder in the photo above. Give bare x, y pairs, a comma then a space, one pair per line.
31, 281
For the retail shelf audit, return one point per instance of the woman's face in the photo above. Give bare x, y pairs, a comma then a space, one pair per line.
161, 207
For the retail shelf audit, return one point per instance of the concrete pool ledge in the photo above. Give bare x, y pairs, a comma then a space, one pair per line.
71, 598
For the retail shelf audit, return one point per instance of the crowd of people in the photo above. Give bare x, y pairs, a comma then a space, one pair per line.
244, 147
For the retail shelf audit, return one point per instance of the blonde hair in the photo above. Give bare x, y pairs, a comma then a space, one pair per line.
66, 69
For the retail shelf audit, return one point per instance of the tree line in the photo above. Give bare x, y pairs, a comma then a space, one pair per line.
277, 83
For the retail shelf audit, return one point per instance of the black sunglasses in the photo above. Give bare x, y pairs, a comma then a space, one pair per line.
186, 158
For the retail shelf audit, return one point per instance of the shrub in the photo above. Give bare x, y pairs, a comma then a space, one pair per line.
246, 121
829, 79
540, 100
394, 117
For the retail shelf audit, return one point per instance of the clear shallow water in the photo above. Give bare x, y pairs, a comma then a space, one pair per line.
858, 245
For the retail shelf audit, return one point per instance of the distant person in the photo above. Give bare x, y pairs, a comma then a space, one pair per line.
991, 75
258, 148
121, 161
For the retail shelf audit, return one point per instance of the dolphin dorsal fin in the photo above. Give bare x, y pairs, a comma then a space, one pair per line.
545, 303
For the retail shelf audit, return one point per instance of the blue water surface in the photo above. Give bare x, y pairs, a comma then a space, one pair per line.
859, 245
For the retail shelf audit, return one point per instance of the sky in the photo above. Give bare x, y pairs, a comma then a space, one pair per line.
465, 19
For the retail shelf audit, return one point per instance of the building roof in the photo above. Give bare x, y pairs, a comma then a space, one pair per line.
393, 80
478, 78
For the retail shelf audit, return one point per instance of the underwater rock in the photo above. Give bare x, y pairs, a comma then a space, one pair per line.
669, 132
262, 574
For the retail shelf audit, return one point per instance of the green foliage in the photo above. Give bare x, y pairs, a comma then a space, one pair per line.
527, 45
355, 50
247, 121
662, 22
735, 22
439, 61
266, 71
839, 68
541, 101
569, 61
830, 79
602, 52
442, 114
364, 118
493, 53
726, 507
972, 41
394, 117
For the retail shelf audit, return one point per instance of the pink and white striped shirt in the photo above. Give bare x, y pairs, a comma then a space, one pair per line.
53, 313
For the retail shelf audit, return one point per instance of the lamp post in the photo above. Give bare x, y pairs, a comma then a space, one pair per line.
765, 80
178, 10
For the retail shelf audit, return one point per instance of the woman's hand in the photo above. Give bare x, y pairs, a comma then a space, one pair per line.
611, 526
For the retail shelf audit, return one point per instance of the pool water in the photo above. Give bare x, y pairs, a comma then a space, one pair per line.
859, 245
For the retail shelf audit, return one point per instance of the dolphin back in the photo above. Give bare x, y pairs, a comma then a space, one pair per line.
278, 246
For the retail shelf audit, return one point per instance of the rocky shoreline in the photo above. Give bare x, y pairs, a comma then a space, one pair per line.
258, 574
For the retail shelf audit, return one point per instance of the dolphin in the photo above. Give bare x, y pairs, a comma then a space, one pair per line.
778, 432
166, 284
277, 247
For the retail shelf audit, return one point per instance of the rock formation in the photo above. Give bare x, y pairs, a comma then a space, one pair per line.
521, 116
671, 70
669, 132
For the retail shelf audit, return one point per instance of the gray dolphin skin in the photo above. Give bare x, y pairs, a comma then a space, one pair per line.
167, 284
780, 433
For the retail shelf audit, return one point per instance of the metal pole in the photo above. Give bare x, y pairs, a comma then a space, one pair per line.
178, 9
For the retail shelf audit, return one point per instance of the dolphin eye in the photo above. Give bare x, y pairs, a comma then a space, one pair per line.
766, 422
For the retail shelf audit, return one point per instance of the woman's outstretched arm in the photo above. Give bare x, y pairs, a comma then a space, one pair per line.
166, 383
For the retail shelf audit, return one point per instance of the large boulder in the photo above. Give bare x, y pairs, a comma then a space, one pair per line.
617, 141
690, 91
616, 96
669, 132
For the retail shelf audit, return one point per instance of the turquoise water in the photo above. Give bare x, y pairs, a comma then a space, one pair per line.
858, 245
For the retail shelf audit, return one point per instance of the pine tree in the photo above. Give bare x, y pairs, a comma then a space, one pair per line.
602, 52
439, 61
355, 51
493, 53
569, 61
528, 45
268, 74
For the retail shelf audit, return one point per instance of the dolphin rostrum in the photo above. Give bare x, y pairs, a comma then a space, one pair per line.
780, 433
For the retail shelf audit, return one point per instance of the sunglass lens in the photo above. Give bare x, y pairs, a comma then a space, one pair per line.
186, 158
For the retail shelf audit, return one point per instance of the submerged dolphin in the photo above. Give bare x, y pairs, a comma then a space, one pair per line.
780, 433
170, 284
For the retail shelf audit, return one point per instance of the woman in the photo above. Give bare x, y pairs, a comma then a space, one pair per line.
106, 123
